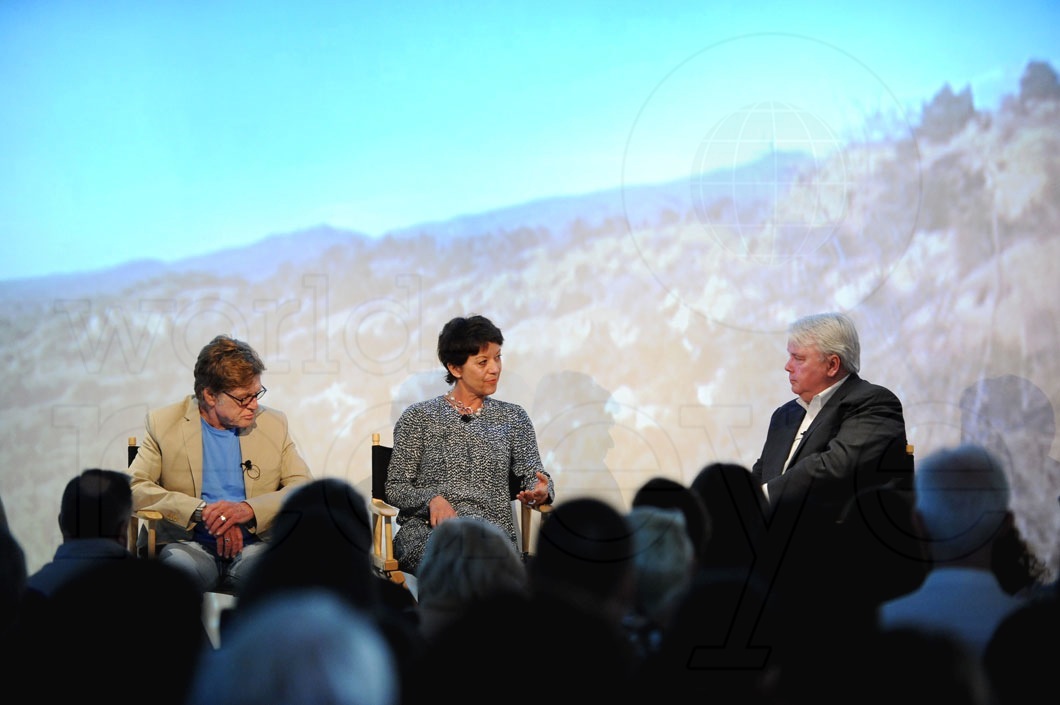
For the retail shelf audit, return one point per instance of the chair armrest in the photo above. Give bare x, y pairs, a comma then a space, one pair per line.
381, 508
145, 519
383, 561
525, 514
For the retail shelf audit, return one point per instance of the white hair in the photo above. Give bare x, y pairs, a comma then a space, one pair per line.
663, 556
962, 497
831, 334
307, 646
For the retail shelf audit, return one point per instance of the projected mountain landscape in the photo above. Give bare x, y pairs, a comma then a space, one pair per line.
644, 325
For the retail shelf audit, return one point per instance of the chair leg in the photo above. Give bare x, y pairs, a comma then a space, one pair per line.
525, 518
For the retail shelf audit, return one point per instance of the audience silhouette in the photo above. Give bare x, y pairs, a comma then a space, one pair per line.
303, 646
322, 540
585, 557
1016, 566
467, 559
1022, 652
562, 643
712, 648
94, 517
704, 591
667, 493
105, 613
962, 506
12, 586
903, 665
665, 562
816, 605
887, 555
737, 511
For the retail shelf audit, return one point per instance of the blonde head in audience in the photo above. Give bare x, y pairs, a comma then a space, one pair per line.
466, 560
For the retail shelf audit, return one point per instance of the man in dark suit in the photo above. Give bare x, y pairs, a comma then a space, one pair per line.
841, 434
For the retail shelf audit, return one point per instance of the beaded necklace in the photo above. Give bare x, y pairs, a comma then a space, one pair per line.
463, 409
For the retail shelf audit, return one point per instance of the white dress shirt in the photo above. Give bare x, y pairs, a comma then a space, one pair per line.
812, 409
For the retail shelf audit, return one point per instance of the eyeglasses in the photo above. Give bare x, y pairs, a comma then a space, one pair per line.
245, 401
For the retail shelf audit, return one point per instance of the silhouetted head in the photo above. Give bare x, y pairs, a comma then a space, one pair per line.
737, 508
585, 553
96, 504
321, 538
667, 493
962, 500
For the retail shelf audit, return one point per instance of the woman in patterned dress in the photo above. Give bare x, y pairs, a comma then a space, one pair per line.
453, 453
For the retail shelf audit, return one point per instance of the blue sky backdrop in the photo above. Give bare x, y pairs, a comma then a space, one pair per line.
169, 129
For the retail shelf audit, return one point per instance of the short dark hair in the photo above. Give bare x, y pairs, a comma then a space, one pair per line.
463, 337
226, 363
96, 504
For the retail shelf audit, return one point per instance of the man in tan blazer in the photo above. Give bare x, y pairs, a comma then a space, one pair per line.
217, 465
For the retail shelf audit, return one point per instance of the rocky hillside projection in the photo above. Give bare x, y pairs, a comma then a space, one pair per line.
644, 326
